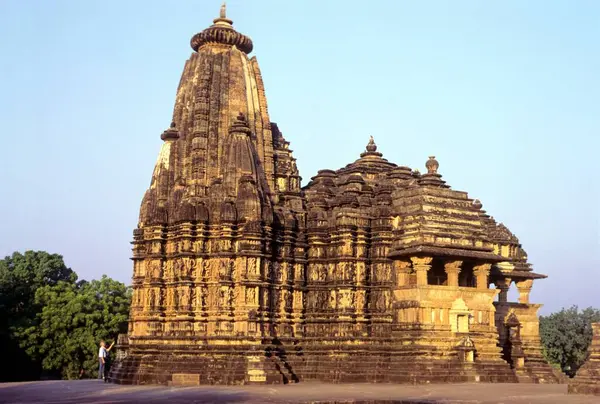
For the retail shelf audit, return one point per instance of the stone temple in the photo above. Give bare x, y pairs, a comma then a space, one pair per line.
373, 272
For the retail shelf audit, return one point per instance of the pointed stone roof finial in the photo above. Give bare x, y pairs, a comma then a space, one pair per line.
371, 147
432, 178
223, 21
371, 150
432, 165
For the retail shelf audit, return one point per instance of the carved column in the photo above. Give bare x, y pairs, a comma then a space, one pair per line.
452, 269
524, 288
503, 285
482, 273
421, 265
402, 269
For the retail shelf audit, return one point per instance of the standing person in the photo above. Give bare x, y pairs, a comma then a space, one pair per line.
102, 357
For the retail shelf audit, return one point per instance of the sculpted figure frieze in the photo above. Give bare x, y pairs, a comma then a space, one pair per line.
370, 255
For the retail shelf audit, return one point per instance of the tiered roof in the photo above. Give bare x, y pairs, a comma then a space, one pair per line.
429, 218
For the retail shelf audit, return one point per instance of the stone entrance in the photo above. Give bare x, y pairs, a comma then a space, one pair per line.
512, 347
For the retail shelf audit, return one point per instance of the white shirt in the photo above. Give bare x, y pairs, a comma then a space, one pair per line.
102, 352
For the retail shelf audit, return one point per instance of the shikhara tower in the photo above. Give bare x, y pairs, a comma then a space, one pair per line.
373, 272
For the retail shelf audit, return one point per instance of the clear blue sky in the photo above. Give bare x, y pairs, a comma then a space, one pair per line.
505, 94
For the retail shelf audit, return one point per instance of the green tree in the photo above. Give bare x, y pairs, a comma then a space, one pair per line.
566, 336
21, 275
73, 319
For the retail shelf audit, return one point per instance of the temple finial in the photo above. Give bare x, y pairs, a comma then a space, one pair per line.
371, 150
222, 20
432, 165
371, 146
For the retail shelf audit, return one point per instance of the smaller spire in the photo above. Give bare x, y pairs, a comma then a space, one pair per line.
240, 125
170, 134
432, 178
223, 12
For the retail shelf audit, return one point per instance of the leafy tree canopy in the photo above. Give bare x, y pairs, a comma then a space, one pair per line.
51, 322
566, 336
22, 274
73, 320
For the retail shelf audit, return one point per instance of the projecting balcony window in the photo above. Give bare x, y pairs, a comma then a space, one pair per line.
436, 274
466, 277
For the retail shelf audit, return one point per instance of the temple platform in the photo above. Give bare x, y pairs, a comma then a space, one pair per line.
94, 391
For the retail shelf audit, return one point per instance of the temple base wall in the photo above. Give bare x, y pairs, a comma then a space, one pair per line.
535, 368
288, 361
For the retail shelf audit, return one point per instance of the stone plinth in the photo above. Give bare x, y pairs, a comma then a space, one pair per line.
587, 380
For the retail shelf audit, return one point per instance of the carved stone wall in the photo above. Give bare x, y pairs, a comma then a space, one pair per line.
374, 272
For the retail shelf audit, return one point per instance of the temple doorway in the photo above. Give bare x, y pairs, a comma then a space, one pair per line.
512, 351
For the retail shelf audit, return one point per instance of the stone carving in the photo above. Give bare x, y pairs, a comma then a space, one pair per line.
253, 270
251, 296
373, 252
189, 265
223, 269
185, 298
177, 266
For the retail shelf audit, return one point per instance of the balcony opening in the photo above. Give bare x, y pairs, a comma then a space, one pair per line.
436, 274
466, 277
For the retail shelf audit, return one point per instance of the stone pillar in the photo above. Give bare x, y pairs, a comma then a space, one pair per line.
421, 265
452, 269
482, 272
503, 285
524, 288
402, 269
